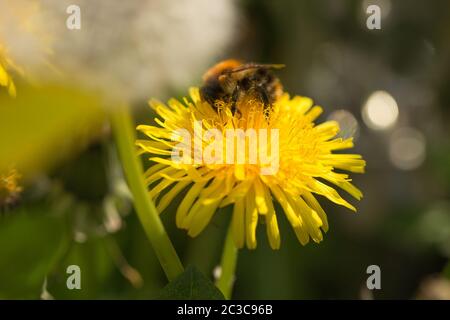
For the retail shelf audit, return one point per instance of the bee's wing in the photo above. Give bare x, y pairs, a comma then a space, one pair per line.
249, 66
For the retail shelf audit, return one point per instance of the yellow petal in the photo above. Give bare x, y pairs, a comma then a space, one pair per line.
260, 198
251, 219
186, 204
169, 196
273, 233
313, 203
238, 223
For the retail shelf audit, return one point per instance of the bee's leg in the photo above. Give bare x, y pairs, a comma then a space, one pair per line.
264, 96
234, 99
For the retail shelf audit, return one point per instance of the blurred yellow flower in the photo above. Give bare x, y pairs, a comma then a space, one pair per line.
5, 78
306, 166
24, 42
9, 188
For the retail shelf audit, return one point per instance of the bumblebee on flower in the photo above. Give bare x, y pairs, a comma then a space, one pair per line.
248, 97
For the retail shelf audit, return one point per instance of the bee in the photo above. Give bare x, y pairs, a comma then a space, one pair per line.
231, 80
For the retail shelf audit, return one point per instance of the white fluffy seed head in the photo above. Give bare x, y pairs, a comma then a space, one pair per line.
133, 49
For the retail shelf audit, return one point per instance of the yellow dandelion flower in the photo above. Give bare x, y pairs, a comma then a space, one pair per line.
305, 166
9, 188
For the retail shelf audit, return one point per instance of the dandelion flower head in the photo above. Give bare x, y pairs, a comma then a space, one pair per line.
308, 167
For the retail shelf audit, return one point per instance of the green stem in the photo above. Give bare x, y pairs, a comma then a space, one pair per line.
228, 265
124, 135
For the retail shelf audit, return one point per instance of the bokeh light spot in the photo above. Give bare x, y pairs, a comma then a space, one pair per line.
380, 111
407, 148
347, 123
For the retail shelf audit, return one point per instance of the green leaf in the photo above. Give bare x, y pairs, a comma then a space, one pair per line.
96, 266
31, 242
191, 285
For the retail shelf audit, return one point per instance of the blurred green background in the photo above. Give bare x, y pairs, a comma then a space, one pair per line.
75, 208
